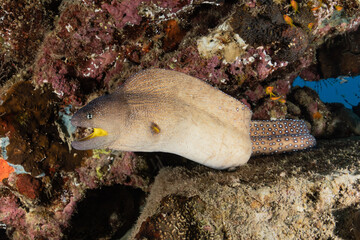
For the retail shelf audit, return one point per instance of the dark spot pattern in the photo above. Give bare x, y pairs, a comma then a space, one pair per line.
280, 136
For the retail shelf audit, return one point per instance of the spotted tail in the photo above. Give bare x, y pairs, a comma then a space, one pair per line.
279, 136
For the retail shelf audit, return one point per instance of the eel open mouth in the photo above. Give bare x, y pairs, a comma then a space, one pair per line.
89, 133
90, 138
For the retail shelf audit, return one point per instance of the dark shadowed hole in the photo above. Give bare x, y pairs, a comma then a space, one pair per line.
53, 6
158, 160
344, 222
208, 15
3, 235
105, 213
340, 56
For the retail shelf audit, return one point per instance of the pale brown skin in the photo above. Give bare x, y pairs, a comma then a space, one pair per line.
166, 111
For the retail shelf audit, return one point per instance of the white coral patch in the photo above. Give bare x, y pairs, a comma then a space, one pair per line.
222, 41
69, 28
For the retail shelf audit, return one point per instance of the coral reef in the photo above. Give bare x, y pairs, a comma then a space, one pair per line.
335, 57
314, 195
77, 52
10, 211
23, 26
247, 47
53, 200
327, 120
90, 44
28, 186
34, 141
114, 168
29, 122
183, 219
57, 55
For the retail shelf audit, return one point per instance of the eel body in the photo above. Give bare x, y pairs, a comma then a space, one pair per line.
160, 110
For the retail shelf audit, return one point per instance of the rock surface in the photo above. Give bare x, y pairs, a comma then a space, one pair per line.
305, 195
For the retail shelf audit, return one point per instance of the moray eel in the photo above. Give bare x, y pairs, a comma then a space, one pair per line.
160, 110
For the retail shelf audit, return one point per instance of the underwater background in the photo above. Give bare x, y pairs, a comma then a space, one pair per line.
283, 59
344, 89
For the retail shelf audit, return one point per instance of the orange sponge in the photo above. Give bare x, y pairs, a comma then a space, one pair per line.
5, 169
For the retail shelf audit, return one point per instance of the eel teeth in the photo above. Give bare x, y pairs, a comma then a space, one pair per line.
92, 133
82, 132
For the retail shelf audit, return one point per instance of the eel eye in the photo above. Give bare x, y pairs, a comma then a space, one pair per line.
89, 116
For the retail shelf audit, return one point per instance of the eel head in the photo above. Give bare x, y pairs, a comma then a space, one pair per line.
98, 117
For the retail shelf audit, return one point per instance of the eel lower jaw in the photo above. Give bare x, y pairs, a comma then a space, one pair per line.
83, 134
98, 138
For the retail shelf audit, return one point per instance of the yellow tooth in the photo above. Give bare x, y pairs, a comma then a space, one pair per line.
98, 132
